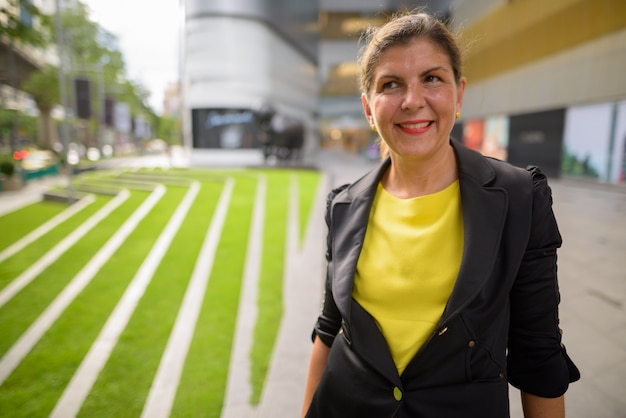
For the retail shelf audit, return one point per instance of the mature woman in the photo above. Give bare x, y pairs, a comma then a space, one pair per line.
441, 286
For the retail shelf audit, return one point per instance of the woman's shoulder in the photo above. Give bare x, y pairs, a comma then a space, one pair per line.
508, 173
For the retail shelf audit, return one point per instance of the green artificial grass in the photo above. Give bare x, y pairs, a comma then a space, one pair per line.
20, 223
203, 383
19, 262
21, 311
308, 184
142, 342
123, 385
270, 304
52, 362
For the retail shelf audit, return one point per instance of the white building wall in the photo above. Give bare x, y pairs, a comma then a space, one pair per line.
233, 62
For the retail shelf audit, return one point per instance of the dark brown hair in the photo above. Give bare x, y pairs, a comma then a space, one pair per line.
400, 30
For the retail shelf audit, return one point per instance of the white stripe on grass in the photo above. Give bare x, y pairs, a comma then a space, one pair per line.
58, 250
283, 389
27, 341
47, 227
238, 388
83, 380
163, 390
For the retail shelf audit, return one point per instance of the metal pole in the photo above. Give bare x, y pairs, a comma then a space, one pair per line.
611, 150
101, 123
14, 137
62, 92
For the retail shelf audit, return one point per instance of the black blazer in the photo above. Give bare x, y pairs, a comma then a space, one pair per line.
500, 323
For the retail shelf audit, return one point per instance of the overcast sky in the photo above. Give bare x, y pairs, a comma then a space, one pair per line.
148, 38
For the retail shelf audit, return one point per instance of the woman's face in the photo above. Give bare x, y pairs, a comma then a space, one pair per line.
413, 99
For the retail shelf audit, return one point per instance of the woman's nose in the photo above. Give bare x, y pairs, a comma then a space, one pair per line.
414, 98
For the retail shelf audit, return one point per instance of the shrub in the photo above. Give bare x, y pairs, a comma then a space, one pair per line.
7, 167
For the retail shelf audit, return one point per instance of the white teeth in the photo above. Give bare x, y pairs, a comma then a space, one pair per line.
416, 125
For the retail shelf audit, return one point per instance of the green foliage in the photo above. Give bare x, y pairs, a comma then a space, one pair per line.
17, 18
7, 167
7, 117
573, 165
25, 126
95, 54
43, 86
168, 129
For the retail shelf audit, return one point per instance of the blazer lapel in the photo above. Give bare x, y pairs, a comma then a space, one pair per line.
484, 212
350, 215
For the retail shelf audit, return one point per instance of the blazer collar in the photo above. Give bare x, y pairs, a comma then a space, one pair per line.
472, 166
350, 214
484, 211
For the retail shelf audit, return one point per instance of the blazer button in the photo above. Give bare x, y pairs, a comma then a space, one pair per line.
471, 344
397, 394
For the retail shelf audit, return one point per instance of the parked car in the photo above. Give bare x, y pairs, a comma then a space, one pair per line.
38, 159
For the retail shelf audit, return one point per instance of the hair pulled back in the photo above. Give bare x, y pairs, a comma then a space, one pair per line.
400, 30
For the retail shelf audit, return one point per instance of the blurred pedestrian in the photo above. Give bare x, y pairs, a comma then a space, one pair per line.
441, 285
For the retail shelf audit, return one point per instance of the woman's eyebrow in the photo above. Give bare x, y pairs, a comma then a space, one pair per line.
436, 68
423, 73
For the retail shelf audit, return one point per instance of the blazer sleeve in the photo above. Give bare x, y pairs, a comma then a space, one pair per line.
329, 321
537, 361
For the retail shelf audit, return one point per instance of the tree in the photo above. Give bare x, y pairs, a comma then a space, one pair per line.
17, 23
23, 24
43, 86
86, 50
168, 129
94, 53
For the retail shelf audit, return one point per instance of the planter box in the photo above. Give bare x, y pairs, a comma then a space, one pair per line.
11, 183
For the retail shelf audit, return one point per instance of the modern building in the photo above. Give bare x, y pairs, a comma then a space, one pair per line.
545, 79
242, 58
546, 83
293, 58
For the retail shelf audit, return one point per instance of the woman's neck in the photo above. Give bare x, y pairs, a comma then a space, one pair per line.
410, 178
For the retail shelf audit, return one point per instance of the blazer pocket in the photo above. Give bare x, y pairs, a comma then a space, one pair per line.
481, 365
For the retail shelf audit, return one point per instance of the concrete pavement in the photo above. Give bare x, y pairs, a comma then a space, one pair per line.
592, 279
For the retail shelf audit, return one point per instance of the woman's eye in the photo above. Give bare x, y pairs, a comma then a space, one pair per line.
432, 79
389, 85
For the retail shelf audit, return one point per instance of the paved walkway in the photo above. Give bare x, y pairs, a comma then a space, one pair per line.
30, 193
592, 271
592, 274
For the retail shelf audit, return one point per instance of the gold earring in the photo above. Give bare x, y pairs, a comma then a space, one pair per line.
373, 128
458, 115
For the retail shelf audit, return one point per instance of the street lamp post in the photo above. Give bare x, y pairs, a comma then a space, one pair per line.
64, 126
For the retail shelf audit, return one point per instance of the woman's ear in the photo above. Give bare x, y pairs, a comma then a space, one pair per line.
366, 109
459, 94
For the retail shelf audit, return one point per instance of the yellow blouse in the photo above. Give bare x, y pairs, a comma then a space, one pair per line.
408, 266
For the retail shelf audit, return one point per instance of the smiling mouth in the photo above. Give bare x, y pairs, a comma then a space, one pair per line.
415, 125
